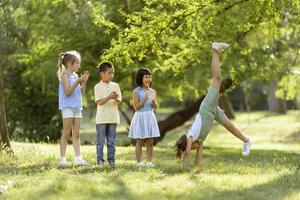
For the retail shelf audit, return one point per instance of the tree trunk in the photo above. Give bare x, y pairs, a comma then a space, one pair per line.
126, 117
282, 107
247, 100
226, 105
180, 117
127, 6
275, 105
5, 142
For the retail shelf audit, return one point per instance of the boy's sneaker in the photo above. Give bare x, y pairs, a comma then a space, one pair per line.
63, 163
246, 149
218, 46
112, 165
81, 162
100, 164
140, 164
149, 164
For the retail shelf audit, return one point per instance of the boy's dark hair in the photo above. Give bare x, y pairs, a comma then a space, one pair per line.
180, 145
140, 74
105, 66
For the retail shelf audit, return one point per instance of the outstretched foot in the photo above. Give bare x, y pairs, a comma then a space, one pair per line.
219, 47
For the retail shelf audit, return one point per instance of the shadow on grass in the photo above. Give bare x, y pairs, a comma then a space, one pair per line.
215, 160
26, 169
294, 137
276, 189
110, 187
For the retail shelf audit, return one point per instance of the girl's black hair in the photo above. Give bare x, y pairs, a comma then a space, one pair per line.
140, 74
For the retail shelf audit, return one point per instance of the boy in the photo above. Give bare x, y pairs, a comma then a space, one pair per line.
107, 98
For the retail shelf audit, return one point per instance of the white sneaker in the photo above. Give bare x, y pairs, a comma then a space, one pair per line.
218, 46
246, 149
63, 163
81, 162
149, 164
140, 164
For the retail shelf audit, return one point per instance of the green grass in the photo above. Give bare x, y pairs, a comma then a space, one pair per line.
272, 171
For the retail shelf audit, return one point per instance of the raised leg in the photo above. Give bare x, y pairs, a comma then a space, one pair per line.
233, 130
215, 70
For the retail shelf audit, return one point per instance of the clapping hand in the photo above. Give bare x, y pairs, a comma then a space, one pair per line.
146, 96
86, 72
113, 95
152, 96
85, 76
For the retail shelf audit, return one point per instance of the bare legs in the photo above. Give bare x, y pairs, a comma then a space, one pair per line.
138, 150
67, 127
70, 124
216, 74
149, 149
233, 130
215, 70
75, 136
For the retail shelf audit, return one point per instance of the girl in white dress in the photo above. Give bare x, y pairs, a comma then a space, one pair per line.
144, 125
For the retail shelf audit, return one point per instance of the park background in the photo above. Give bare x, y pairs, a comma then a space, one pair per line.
261, 94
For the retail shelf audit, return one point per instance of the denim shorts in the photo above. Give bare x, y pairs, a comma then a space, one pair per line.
71, 113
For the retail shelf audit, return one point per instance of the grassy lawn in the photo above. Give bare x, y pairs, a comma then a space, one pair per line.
272, 171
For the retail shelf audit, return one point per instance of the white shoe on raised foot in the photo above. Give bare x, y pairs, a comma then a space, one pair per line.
218, 46
246, 149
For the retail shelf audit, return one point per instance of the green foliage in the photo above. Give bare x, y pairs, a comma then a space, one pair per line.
172, 37
35, 32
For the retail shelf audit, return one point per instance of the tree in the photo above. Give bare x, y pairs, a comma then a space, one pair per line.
34, 33
173, 38
5, 142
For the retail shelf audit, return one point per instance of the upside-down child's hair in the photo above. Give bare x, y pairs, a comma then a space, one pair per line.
64, 58
180, 145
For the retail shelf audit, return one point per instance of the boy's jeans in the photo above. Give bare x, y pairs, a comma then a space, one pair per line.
108, 132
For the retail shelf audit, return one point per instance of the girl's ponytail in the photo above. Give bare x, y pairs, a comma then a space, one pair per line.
60, 64
64, 58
